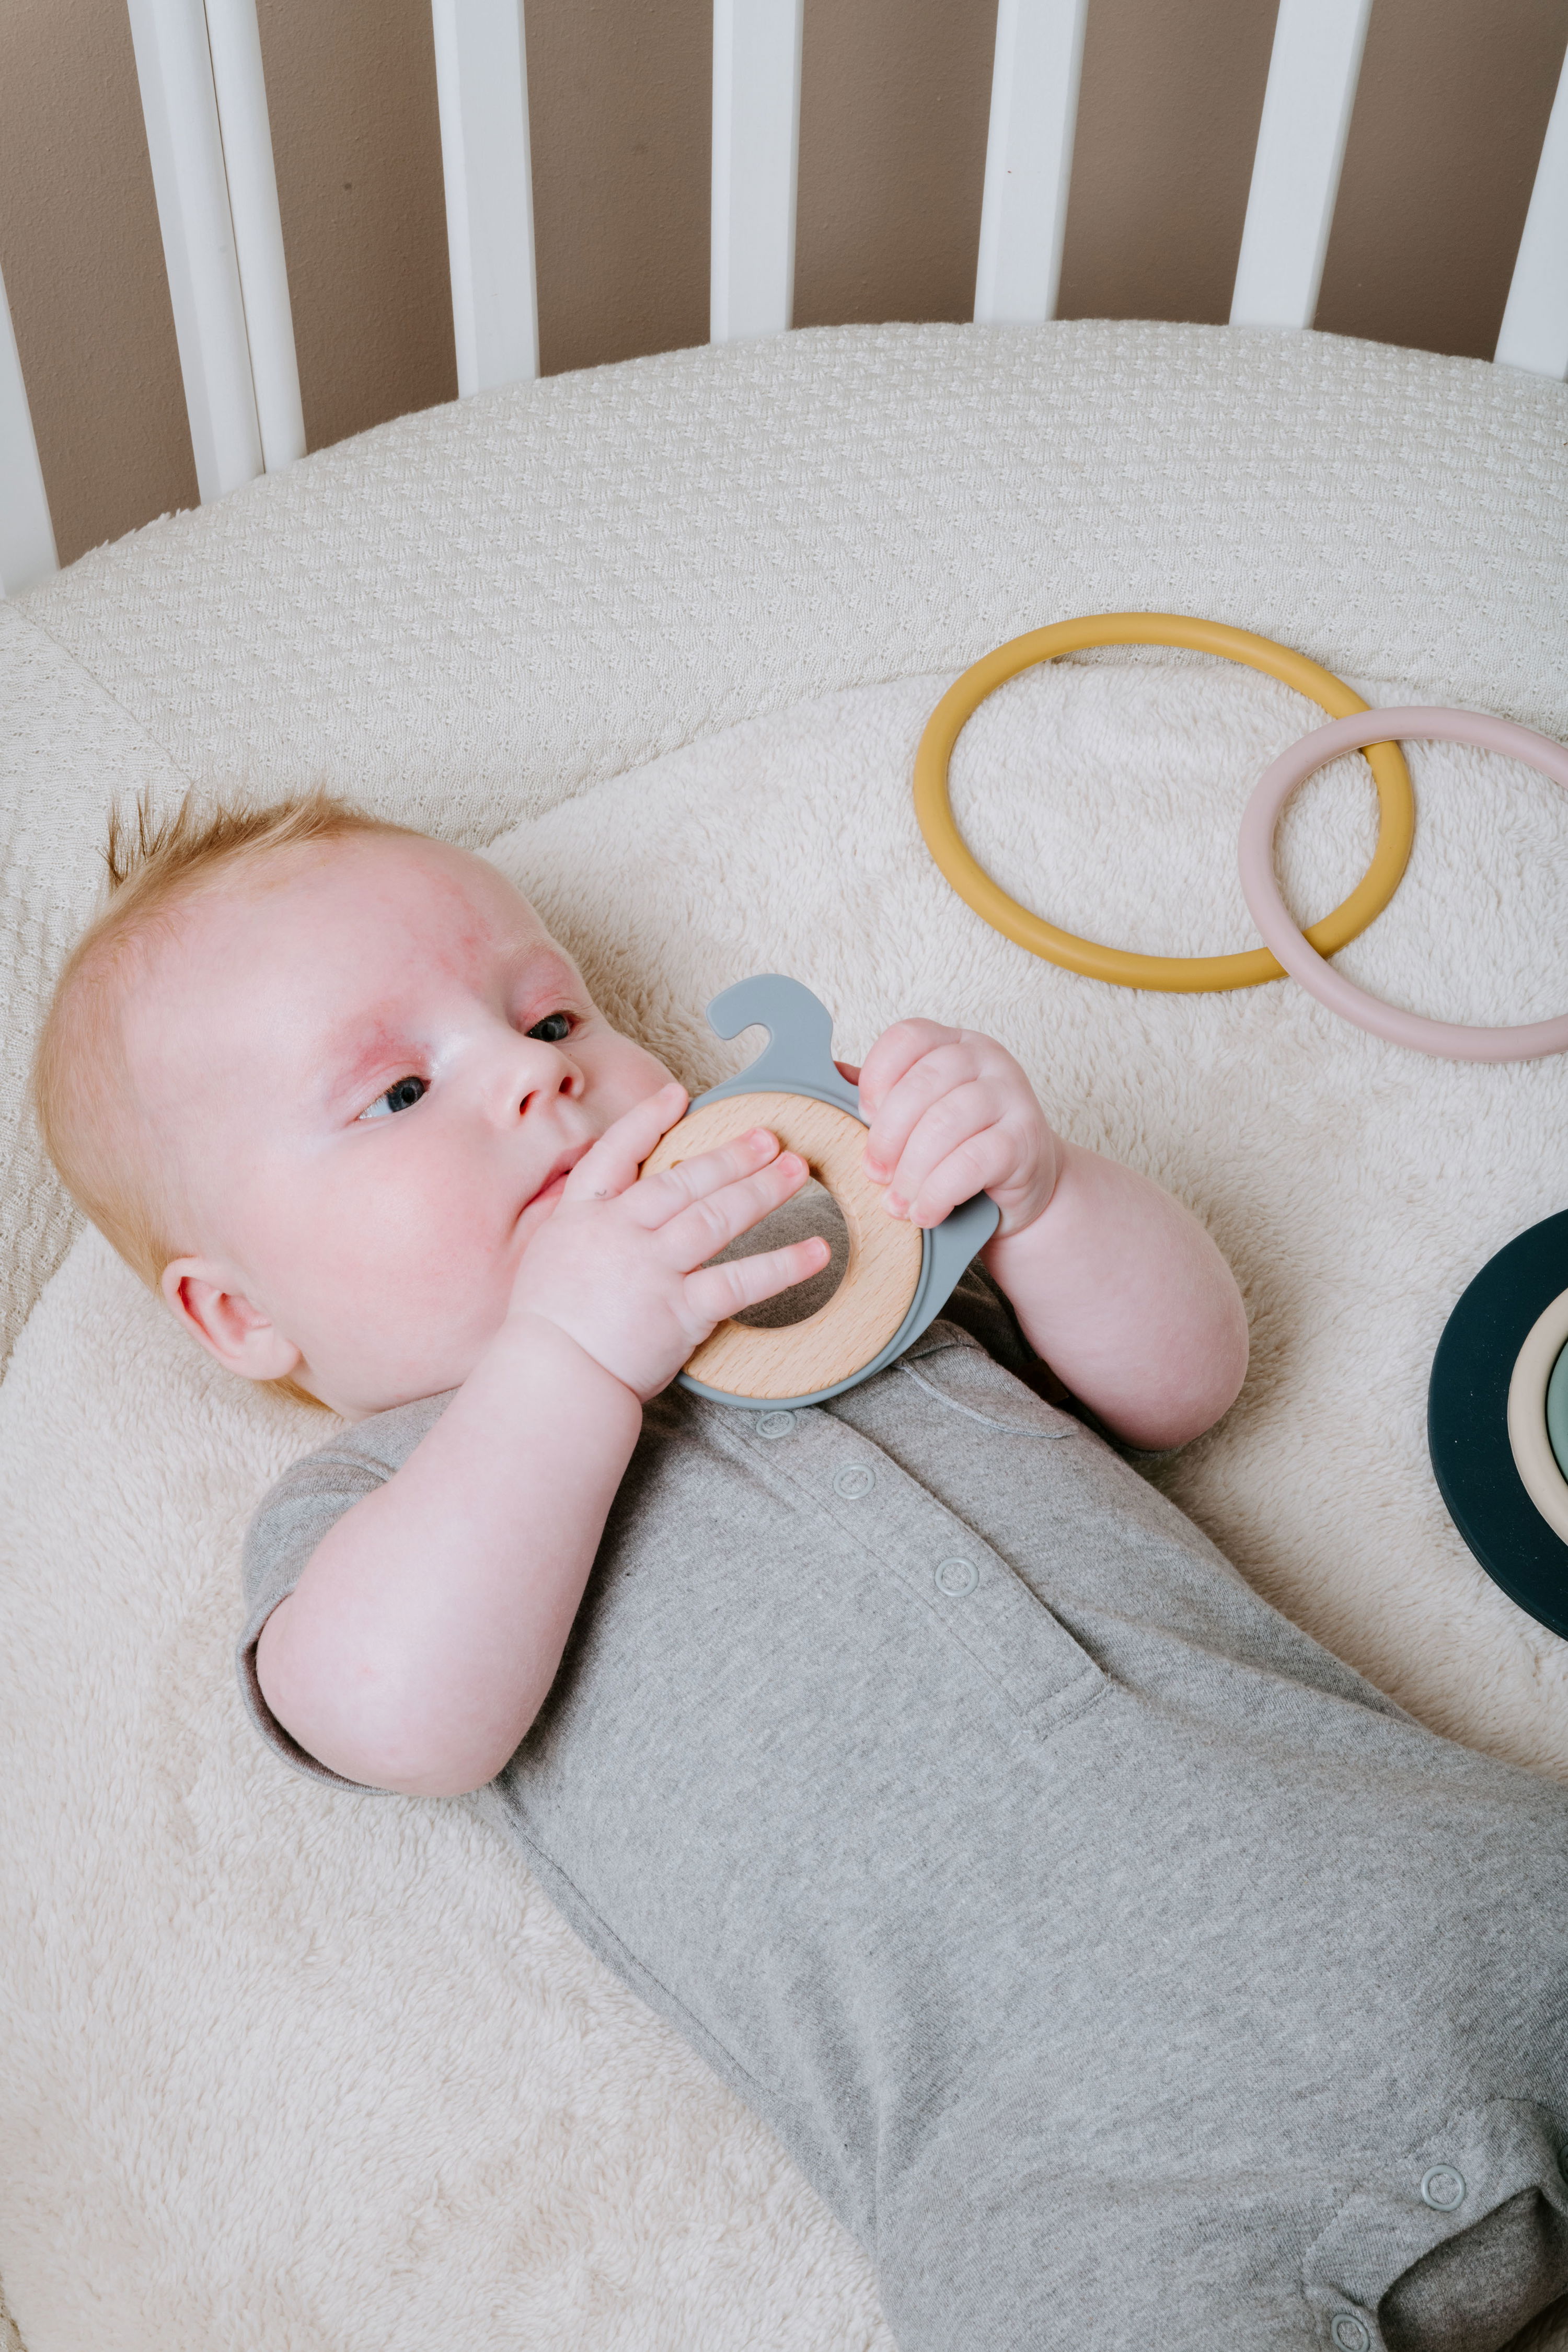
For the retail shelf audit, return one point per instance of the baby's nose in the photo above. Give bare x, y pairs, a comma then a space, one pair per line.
538, 1085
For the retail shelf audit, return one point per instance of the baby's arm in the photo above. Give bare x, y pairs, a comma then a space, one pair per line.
422, 1638
1117, 1286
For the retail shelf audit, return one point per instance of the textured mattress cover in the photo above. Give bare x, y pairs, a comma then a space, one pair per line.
471, 618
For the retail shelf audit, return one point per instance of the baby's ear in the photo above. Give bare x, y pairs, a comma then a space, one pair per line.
226, 1322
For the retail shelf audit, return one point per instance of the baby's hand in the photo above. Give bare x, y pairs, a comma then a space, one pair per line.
951, 1115
619, 1265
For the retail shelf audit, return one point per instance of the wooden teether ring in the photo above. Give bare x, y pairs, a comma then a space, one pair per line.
885, 1253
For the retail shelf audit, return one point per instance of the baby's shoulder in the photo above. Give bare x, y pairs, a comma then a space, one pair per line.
297, 1508
361, 1453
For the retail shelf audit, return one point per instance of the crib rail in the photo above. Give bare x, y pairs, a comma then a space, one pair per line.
199, 67
26, 533
1535, 323
204, 106
481, 79
1312, 76
756, 151
1028, 159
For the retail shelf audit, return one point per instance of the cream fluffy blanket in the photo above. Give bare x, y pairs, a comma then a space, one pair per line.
285, 2070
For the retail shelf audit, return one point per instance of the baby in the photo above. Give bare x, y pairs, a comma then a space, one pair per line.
1123, 1969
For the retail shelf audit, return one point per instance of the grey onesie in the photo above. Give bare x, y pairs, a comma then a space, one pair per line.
1124, 1970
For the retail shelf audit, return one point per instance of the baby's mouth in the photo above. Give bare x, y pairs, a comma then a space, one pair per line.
554, 1184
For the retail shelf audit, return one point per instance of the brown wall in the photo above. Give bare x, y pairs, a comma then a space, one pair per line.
1448, 122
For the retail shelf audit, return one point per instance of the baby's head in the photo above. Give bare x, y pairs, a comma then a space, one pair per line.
319, 1080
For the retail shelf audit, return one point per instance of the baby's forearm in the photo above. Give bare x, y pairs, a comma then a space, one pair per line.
1125, 1295
426, 1629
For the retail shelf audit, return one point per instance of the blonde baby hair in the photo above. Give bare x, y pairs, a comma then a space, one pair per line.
155, 864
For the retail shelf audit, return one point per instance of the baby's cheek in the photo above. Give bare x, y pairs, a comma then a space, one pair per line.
436, 1241
621, 1075
417, 1267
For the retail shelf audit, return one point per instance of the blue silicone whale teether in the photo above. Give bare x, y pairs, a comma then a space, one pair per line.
798, 1059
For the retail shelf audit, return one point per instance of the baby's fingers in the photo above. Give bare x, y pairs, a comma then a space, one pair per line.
613, 1162
944, 1072
715, 1291
719, 1216
688, 1195
978, 1165
895, 1053
959, 1147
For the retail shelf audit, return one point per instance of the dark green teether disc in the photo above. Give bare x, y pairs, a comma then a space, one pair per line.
1467, 1421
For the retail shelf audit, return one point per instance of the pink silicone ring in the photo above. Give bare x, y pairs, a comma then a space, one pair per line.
1452, 1039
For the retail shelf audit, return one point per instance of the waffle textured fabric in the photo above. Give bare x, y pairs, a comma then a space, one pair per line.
290, 2070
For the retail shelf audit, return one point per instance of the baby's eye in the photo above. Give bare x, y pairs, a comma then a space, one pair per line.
402, 1097
553, 1029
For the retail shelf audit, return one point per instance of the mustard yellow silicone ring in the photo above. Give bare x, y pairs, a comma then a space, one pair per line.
1395, 801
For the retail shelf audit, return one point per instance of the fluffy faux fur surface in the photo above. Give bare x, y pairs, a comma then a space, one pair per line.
293, 2072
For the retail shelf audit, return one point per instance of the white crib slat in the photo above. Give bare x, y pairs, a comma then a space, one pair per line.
1535, 323
241, 91
481, 74
756, 152
26, 533
1028, 159
184, 145
1312, 76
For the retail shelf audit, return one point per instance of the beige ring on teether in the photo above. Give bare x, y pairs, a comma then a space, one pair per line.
885, 1253
1532, 1457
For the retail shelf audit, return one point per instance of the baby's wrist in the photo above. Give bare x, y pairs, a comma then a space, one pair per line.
1032, 1202
535, 1342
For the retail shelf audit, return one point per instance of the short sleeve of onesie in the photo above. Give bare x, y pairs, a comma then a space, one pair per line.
293, 1517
